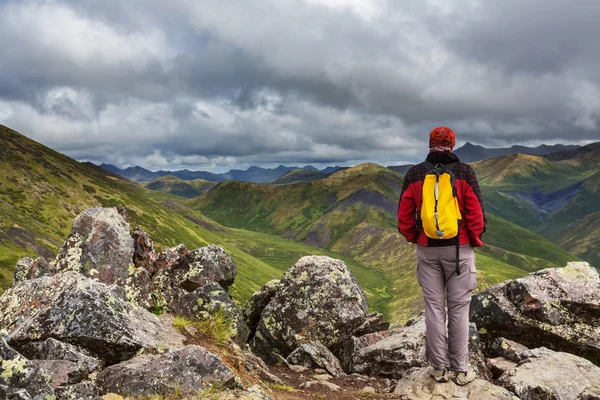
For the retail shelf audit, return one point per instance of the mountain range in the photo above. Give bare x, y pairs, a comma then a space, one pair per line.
467, 153
252, 174
542, 211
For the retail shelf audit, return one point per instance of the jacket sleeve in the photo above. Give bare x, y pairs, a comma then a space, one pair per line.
406, 212
474, 210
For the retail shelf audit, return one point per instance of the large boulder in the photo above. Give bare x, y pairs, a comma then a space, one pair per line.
318, 300
545, 374
558, 307
419, 385
187, 370
99, 246
208, 300
91, 315
20, 378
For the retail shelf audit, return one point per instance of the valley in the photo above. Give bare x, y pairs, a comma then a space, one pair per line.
346, 213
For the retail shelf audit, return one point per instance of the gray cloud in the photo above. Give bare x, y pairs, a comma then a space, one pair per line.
218, 84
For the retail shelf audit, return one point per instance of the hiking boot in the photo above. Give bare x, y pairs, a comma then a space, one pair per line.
462, 378
440, 375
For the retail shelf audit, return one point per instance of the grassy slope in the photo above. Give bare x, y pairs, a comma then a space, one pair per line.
572, 226
172, 184
330, 213
44, 190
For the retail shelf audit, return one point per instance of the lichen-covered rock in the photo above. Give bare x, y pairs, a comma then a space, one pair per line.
82, 362
375, 322
20, 378
203, 265
315, 355
558, 308
27, 268
208, 300
318, 300
188, 370
79, 391
346, 350
191, 271
144, 255
72, 308
394, 355
546, 374
257, 303
99, 246
167, 258
419, 385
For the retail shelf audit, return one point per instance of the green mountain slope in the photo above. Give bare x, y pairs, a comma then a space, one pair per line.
555, 196
41, 191
353, 212
179, 187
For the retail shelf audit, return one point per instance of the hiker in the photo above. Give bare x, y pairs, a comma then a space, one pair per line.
441, 210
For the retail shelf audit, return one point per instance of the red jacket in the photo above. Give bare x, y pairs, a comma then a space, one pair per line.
469, 196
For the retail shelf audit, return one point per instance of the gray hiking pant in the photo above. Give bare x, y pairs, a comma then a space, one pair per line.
447, 348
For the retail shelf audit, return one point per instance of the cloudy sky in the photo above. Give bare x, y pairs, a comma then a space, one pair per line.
215, 84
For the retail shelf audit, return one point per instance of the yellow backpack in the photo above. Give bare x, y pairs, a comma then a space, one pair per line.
440, 213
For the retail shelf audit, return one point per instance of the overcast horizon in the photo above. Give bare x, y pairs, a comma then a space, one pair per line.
219, 85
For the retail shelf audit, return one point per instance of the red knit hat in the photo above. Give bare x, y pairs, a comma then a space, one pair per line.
442, 137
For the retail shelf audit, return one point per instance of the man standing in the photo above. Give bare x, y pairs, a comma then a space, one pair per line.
445, 266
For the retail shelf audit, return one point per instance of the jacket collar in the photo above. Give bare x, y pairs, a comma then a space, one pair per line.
436, 157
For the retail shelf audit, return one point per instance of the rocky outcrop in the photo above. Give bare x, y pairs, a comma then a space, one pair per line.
558, 308
315, 355
99, 246
545, 374
188, 370
207, 301
72, 308
318, 300
418, 385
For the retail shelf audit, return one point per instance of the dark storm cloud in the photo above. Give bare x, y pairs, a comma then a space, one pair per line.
218, 83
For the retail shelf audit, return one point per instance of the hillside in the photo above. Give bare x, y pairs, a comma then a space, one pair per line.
299, 175
172, 184
555, 196
353, 212
42, 191
472, 152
